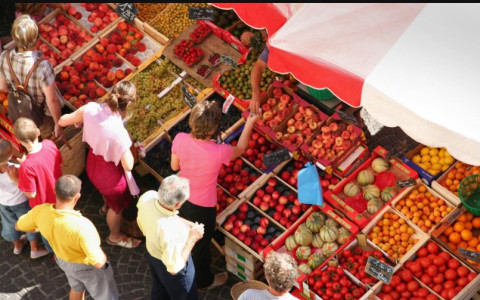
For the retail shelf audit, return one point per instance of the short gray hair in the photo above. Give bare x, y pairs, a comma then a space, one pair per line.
67, 187
173, 190
281, 271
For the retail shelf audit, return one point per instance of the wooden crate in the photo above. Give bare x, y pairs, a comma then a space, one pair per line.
241, 272
234, 251
88, 25
372, 292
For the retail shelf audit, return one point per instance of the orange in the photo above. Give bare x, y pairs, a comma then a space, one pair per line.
466, 235
448, 230
476, 222
422, 189
463, 245
459, 226
468, 225
462, 218
469, 216
454, 238
473, 242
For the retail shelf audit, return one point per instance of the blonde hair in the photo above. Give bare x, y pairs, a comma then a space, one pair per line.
204, 119
122, 94
25, 130
6, 151
24, 32
31, 8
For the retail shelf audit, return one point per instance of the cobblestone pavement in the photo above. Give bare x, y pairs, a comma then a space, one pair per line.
24, 278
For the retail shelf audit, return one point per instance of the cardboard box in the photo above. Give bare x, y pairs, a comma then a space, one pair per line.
424, 175
337, 198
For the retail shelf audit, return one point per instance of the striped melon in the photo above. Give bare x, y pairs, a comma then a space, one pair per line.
374, 205
365, 177
331, 222
371, 192
303, 252
317, 241
305, 268
315, 260
303, 235
328, 233
351, 189
343, 235
290, 243
315, 221
380, 164
388, 193
329, 249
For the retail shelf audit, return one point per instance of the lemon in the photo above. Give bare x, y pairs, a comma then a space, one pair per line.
448, 160
445, 167
417, 159
433, 152
447, 154
441, 161
424, 151
435, 159
425, 158
437, 167
423, 166
428, 164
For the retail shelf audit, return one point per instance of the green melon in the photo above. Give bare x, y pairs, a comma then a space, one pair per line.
317, 241
328, 233
331, 222
305, 268
371, 192
351, 189
290, 243
303, 235
365, 177
374, 205
329, 249
388, 193
343, 235
315, 221
303, 252
380, 164
315, 260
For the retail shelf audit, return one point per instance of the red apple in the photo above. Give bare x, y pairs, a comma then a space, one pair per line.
261, 230
264, 222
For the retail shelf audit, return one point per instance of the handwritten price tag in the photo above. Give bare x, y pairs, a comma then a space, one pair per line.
127, 10
201, 13
475, 256
379, 269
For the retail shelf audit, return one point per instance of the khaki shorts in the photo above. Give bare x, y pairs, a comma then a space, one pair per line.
98, 282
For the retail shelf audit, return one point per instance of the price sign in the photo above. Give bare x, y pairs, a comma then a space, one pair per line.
228, 102
406, 183
188, 97
201, 13
379, 269
347, 117
228, 60
127, 10
475, 256
276, 157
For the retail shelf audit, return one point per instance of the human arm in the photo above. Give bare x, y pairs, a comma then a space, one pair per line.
90, 244
53, 104
73, 118
195, 233
127, 160
26, 181
174, 162
255, 79
245, 136
3, 84
26, 223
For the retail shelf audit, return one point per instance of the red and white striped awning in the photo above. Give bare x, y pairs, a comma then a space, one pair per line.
412, 65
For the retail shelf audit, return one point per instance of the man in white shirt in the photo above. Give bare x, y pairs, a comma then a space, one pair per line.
169, 240
281, 273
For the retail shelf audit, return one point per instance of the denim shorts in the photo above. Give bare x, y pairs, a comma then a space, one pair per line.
10, 216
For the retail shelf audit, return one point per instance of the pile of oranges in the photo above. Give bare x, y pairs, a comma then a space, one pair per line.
393, 235
457, 174
433, 160
4, 99
423, 209
461, 235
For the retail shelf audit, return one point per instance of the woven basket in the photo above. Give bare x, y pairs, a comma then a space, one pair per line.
131, 228
239, 288
469, 194
73, 152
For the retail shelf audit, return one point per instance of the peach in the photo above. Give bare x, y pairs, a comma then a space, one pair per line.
64, 76
55, 42
98, 22
111, 76
63, 39
119, 74
100, 92
111, 48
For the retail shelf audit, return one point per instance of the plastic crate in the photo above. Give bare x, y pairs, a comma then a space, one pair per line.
321, 94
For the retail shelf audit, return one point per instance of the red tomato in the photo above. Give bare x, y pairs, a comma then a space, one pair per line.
462, 271
442, 268
415, 267
395, 295
402, 287
453, 263
387, 288
347, 253
422, 292
451, 293
432, 270
444, 294
431, 256
450, 274
437, 288
439, 278
432, 247
406, 294
439, 261
431, 297
395, 280
449, 284
445, 255
412, 286
426, 279
406, 275
425, 262
471, 276
463, 281
422, 252
387, 297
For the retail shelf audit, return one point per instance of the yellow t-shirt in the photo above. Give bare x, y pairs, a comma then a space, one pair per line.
72, 237
165, 232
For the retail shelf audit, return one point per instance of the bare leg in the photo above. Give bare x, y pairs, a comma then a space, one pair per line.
34, 246
18, 244
114, 221
77, 295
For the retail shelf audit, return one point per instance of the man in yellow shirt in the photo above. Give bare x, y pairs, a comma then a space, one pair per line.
169, 240
74, 240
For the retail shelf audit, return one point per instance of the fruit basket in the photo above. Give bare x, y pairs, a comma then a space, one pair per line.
224, 199
214, 59
441, 272
469, 193
460, 230
447, 185
236, 177
97, 18
376, 179
401, 242
203, 71
250, 228
183, 47
429, 162
423, 206
53, 55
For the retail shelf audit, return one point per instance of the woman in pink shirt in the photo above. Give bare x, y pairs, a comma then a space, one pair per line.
109, 160
199, 159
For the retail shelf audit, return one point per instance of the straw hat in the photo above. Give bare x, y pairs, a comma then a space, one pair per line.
241, 287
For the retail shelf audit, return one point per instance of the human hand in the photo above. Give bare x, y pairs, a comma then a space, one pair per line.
196, 231
22, 158
58, 131
255, 103
253, 117
78, 125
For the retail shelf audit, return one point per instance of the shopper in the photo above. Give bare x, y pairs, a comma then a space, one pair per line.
109, 161
37, 10
41, 167
255, 79
169, 239
75, 241
199, 159
14, 204
41, 86
280, 273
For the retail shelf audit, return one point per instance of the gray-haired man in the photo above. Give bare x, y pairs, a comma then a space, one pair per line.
170, 240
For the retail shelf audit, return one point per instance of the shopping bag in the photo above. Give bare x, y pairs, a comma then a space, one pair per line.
309, 189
